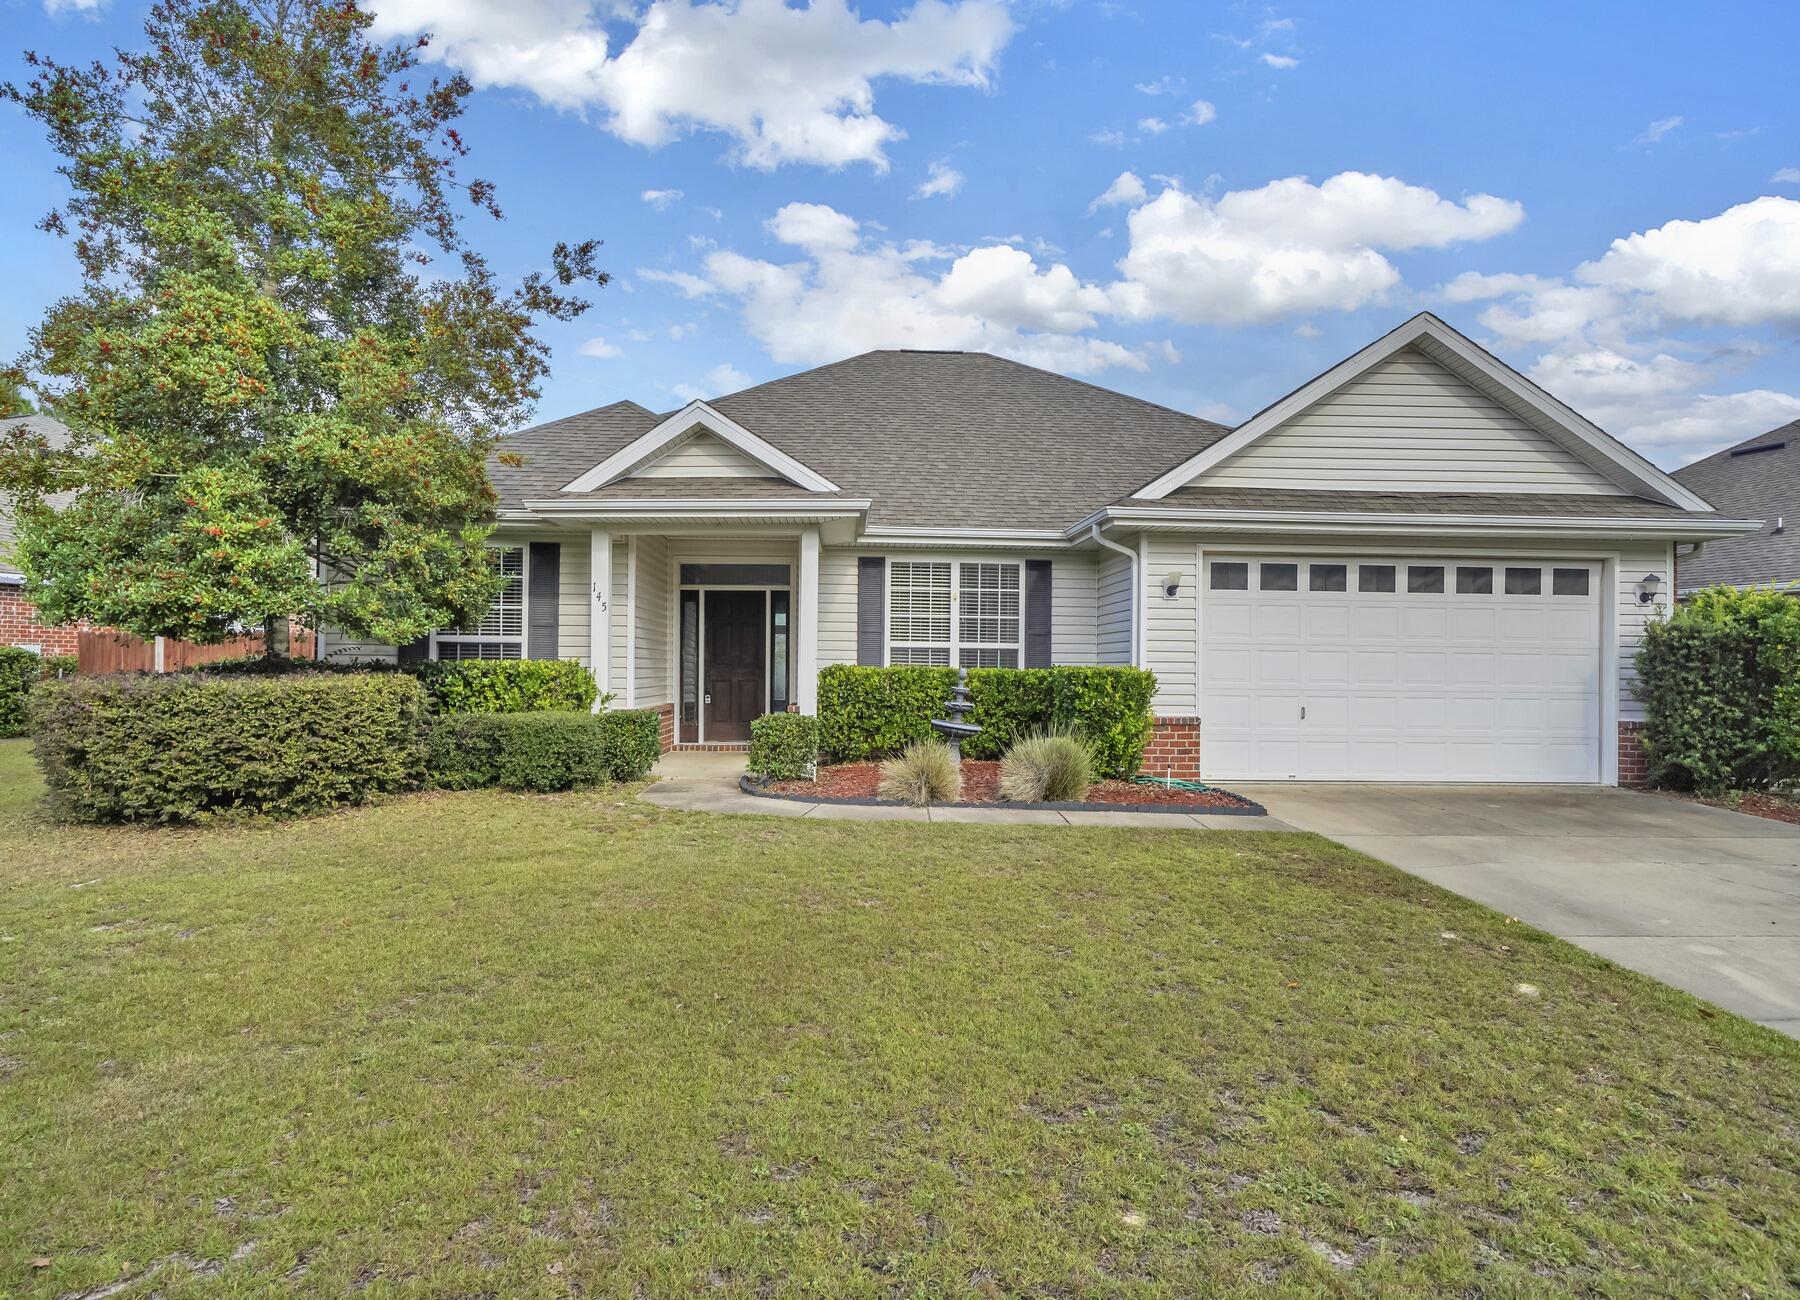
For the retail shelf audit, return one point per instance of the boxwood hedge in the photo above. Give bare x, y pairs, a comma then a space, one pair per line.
540, 751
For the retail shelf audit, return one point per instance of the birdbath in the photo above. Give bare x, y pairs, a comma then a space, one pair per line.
953, 729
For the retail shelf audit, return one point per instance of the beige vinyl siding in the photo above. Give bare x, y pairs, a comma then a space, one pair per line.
1409, 425
701, 456
1074, 581
619, 620
1171, 626
1634, 562
654, 599
1112, 609
837, 605
572, 639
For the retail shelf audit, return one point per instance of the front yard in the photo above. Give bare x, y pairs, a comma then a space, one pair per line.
487, 1044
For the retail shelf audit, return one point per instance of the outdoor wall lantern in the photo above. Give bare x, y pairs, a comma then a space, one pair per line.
1647, 588
1172, 583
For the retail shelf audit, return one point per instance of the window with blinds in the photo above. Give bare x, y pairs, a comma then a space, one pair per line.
501, 633
980, 628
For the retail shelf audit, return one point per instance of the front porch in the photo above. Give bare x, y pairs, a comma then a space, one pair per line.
711, 628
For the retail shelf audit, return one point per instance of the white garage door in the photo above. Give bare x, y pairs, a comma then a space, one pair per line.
1399, 669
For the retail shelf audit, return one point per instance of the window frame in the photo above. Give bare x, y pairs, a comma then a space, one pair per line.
955, 646
501, 639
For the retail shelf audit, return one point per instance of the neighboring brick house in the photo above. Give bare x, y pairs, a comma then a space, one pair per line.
18, 621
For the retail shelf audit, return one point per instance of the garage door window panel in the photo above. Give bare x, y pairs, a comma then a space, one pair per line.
1425, 579
1280, 577
1569, 582
1474, 581
1327, 577
1375, 577
1524, 582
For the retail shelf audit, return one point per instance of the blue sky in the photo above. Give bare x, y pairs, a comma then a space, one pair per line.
1203, 204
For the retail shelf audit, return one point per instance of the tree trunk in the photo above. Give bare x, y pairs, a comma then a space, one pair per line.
277, 640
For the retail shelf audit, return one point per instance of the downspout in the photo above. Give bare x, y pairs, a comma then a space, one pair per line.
1137, 587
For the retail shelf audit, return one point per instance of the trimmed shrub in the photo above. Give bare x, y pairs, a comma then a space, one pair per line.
61, 665
925, 772
1107, 707
540, 751
874, 712
1720, 682
189, 746
783, 746
1050, 767
19, 672
633, 742
507, 685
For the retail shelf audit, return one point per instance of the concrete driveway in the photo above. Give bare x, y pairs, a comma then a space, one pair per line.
1703, 899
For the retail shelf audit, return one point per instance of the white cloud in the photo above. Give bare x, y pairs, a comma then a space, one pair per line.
1283, 61
720, 380
1126, 188
1785, 176
689, 285
1200, 114
1108, 137
660, 199
1654, 133
55, 7
1153, 125
786, 84
1609, 336
682, 330
600, 349
1290, 247
1162, 86
848, 293
943, 179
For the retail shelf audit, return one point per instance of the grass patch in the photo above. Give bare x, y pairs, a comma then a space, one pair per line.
523, 1046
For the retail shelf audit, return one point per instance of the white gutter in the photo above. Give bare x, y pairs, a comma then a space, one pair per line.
1691, 526
1137, 587
639, 507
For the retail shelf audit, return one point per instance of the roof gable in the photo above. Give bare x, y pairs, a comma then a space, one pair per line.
1442, 415
695, 419
699, 454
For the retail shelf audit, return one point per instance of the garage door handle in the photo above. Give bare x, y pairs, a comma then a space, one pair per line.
1303, 713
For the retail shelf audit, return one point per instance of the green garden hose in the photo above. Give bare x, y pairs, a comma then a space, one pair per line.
1172, 783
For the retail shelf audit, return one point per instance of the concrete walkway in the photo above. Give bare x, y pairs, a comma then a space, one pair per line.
1701, 898
693, 781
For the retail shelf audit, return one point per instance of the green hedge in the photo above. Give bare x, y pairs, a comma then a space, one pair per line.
507, 685
540, 751
783, 746
190, 746
874, 712
1720, 682
19, 672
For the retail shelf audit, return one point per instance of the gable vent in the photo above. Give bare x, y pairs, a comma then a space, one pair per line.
1761, 446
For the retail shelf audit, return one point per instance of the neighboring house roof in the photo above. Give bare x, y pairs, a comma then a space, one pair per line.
1750, 484
56, 433
929, 438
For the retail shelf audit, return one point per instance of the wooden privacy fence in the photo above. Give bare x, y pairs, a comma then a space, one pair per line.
120, 652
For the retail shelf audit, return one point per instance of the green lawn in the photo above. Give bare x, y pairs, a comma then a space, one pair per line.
500, 1045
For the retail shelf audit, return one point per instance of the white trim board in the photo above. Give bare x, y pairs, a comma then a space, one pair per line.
1446, 345
700, 415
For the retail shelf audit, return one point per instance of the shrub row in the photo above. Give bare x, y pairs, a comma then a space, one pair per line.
1720, 682
540, 751
458, 685
783, 746
187, 747
193, 746
19, 672
875, 712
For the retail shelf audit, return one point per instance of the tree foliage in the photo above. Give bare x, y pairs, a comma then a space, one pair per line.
285, 358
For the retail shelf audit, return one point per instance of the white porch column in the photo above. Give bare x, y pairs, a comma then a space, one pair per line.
806, 640
600, 580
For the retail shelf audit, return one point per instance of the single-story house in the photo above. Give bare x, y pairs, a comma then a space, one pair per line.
1419, 566
1759, 478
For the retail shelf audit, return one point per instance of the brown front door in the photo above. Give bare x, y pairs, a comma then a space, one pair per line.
735, 640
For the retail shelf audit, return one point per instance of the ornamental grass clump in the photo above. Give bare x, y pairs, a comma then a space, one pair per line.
925, 772
1047, 767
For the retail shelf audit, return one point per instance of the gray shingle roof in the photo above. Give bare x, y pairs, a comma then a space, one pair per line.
1764, 485
931, 438
56, 433
1435, 503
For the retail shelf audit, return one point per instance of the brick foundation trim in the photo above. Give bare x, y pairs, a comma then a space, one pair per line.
665, 731
1634, 767
19, 625
1174, 748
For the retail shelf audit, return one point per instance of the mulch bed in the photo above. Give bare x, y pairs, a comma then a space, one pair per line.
981, 785
1758, 803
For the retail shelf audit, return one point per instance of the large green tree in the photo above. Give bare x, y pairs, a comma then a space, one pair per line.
285, 360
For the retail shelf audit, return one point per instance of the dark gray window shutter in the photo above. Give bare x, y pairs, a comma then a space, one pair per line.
543, 577
871, 610
414, 652
1037, 613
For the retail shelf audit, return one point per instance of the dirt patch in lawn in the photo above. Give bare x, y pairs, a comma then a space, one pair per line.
981, 785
